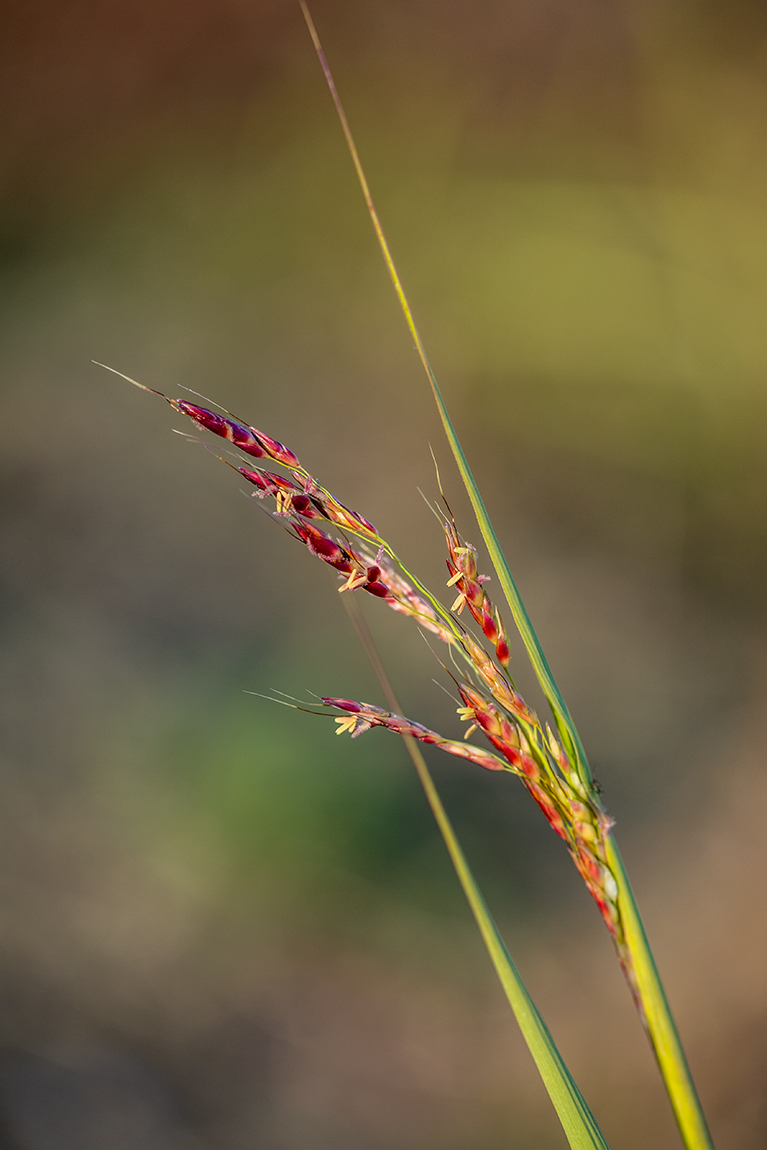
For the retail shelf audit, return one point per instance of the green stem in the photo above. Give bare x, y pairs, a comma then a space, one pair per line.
659, 1022
653, 1004
657, 1018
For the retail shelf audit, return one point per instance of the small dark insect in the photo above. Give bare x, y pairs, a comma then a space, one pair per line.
597, 786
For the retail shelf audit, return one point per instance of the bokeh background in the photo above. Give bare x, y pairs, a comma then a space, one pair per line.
221, 927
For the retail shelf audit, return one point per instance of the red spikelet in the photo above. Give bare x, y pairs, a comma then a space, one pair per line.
247, 439
348, 562
325, 548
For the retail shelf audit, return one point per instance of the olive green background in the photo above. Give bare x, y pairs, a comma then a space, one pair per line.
220, 926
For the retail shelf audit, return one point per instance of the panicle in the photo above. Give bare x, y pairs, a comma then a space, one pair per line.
462, 565
366, 715
511, 727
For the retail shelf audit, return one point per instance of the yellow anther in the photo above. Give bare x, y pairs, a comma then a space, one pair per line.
355, 579
346, 723
470, 730
465, 713
459, 604
284, 501
452, 582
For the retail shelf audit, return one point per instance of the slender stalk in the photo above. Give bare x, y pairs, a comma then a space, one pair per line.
578, 1122
658, 1020
651, 999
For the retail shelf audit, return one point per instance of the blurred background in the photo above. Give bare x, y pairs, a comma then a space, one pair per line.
221, 927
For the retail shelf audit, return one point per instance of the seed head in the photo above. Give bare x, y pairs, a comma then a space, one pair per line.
512, 728
366, 715
462, 565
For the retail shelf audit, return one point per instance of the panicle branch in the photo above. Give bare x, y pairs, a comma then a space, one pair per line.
302, 499
363, 716
464, 576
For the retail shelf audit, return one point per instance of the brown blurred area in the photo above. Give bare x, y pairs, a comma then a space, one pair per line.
221, 927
